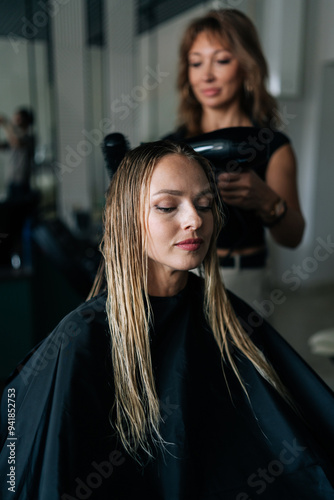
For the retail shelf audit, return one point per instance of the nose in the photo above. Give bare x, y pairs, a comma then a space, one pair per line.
208, 74
191, 218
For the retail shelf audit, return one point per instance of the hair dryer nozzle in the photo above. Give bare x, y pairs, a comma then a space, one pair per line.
114, 147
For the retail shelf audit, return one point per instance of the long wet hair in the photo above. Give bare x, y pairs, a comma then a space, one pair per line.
136, 413
232, 28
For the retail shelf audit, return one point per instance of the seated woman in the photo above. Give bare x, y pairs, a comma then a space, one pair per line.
164, 386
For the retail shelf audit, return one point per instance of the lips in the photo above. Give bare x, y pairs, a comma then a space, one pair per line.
211, 92
190, 245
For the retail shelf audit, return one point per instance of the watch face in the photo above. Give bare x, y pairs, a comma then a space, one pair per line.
276, 214
279, 209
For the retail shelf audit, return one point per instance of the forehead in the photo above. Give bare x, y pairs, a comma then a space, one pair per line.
209, 39
177, 170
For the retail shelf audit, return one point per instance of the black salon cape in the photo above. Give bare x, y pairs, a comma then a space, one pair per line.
220, 444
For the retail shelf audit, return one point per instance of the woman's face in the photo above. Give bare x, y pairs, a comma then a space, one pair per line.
215, 75
180, 219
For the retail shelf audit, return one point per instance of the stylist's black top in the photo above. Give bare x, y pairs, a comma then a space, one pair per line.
220, 445
243, 228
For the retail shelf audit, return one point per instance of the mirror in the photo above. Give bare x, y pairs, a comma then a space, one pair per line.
27, 82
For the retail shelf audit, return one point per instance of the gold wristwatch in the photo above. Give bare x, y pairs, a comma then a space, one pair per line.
276, 213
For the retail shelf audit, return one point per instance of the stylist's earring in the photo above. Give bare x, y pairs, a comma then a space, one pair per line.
248, 87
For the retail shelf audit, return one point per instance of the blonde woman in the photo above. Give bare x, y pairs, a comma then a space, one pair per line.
163, 386
222, 76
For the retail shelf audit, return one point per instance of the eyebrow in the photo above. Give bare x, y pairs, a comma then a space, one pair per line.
175, 192
215, 52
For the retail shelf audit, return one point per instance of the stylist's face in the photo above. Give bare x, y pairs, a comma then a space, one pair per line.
180, 221
215, 75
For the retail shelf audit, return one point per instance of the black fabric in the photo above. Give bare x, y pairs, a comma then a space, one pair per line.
220, 444
243, 228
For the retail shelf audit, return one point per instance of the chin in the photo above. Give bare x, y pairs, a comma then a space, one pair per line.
192, 265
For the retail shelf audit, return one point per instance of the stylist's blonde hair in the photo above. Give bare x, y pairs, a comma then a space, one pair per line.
238, 33
136, 412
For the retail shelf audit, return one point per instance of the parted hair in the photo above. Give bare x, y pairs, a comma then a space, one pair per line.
136, 413
235, 30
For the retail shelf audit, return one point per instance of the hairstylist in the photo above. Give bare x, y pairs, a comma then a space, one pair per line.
221, 83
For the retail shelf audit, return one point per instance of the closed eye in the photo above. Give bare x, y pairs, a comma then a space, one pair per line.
165, 210
224, 61
168, 210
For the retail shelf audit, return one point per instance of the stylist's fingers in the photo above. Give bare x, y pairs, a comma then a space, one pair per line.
228, 177
227, 181
231, 191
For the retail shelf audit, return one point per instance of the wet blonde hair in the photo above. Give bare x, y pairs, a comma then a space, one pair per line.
236, 30
136, 412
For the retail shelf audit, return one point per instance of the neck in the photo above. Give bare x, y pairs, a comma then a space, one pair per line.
214, 119
166, 284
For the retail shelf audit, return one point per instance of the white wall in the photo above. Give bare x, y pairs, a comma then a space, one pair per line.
306, 129
71, 165
158, 50
123, 92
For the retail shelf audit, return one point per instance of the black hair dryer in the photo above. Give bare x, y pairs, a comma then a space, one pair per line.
232, 149
114, 147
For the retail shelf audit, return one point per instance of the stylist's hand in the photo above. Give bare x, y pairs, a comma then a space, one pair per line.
245, 190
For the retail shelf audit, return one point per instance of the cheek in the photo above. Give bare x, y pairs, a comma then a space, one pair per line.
229, 73
210, 226
236, 76
157, 233
193, 77
154, 227
207, 227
